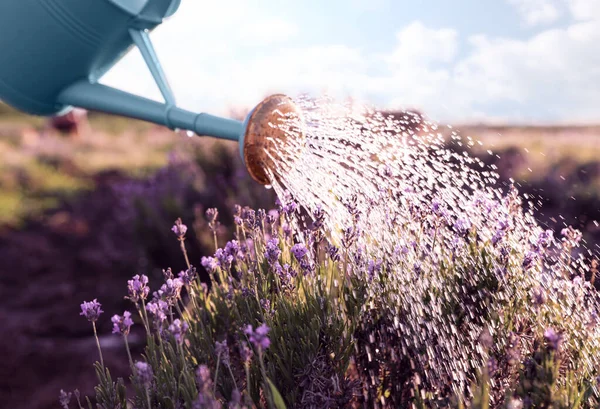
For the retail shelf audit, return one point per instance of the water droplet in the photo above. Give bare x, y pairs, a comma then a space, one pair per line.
268, 187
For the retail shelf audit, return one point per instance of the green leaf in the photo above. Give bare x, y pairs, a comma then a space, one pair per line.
277, 399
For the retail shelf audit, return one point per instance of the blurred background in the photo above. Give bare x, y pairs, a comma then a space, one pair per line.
87, 200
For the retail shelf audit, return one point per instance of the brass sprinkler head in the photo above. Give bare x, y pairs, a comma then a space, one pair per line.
274, 132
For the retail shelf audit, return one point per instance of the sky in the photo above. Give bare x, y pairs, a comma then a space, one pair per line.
494, 61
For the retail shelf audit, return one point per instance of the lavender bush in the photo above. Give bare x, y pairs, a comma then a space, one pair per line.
499, 317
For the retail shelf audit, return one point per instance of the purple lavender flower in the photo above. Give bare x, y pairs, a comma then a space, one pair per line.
554, 339
222, 350
210, 263
64, 398
259, 336
290, 208
211, 214
272, 216
178, 328
299, 251
306, 267
224, 259
91, 310
179, 228
539, 296
233, 249
529, 259
374, 268
188, 276
138, 288
272, 251
238, 220
287, 230
144, 373
170, 290
462, 226
333, 252
204, 379
168, 273
159, 309
266, 305
350, 234
544, 240
122, 324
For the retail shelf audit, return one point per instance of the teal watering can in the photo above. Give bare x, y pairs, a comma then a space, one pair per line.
53, 52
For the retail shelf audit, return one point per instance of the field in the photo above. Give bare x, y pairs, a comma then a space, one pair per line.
80, 216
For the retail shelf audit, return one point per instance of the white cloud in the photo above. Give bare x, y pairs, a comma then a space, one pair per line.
537, 12
553, 75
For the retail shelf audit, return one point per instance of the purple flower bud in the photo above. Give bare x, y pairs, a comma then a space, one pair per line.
122, 325
272, 216
64, 398
333, 252
210, 263
91, 310
179, 228
539, 297
299, 251
144, 373
462, 226
259, 336
204, 379
222, 350
272, 251
224, 259
554, 339
170, 291
159, 309
529, 259
178, 328
374, 268
138, 288
211, 214
188, 276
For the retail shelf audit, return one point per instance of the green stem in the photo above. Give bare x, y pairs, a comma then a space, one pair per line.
216, 375
184, 251
128, 352
98, 344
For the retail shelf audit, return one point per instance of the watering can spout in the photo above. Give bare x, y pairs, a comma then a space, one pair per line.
98, 97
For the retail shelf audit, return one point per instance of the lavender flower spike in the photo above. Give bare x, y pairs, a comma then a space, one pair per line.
144, 373
179, 228
64, 398
178, 328
299, 251
138, 288
91, 310
122, 325
259, 336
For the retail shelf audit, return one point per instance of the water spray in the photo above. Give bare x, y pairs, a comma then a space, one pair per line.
55, 52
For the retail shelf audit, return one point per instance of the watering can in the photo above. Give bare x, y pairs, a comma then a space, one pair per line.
54, 52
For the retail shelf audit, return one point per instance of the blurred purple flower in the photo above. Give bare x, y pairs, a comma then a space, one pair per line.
539, 296
272, 251
144, 373
64, 398
159, 309
122, 324
224, 259
210, 264
170, 291
222, 349
178, 328
529, 259
179, 228
299, 251
259, 336
554, 339
91, 310
462, 226
188, 276
138, 288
